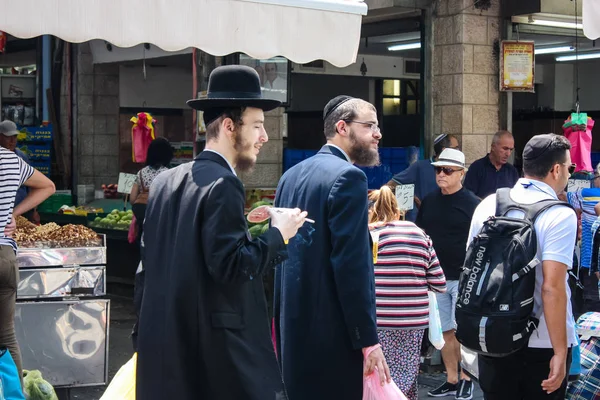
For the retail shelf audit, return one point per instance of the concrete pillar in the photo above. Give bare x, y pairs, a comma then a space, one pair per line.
465, 73
97, 120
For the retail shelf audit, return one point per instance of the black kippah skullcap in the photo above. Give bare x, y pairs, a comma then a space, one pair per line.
334, 103
537, 146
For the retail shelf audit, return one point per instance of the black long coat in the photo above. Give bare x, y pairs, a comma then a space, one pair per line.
204, 330
325, 292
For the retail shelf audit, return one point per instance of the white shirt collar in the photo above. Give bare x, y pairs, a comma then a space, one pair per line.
343, 152
527, 183
226, 160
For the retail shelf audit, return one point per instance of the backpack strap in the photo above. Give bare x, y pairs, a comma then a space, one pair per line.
504, 204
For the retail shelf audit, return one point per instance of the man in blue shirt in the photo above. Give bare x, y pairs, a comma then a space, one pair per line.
8, 140
493, 171
422, 174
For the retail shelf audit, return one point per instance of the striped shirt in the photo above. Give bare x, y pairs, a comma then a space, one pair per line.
407, 267
13, 173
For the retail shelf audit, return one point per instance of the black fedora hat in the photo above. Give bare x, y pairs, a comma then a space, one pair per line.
233, 86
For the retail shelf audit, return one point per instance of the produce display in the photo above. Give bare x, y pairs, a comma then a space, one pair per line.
52, 235
110, 191
258, 218
80, 210
119, 220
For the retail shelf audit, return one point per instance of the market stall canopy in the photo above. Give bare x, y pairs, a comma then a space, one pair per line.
591, 19
300, 30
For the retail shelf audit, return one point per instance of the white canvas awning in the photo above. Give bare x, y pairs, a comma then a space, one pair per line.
300, 30
591, 19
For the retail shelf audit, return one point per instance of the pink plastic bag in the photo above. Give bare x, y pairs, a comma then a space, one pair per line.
372, 389
133, 231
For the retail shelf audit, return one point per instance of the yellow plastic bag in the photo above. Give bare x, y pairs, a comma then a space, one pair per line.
122, 387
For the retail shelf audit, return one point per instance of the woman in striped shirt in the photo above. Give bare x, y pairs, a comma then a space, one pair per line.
406, 267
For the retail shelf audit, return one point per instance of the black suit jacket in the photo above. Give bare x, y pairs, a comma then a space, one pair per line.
204, 330
325, 292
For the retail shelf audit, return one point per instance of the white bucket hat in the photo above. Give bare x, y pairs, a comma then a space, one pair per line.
451, 158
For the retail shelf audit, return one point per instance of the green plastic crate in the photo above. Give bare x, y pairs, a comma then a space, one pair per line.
55, 202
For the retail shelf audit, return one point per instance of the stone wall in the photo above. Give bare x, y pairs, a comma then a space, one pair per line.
465, 74
97, 120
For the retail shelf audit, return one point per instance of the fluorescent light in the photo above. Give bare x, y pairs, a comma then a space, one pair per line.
557, 24
587, 56
552, 50
407, 46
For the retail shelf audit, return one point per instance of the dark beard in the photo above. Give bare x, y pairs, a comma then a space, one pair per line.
362, 154
243, 163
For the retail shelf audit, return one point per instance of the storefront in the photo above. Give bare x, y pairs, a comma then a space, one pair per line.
566, 62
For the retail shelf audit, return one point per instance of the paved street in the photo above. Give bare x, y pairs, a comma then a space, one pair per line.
430, 381
122, 317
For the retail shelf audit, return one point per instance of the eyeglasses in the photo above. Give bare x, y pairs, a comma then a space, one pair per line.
374, 127
446, 170
572, 168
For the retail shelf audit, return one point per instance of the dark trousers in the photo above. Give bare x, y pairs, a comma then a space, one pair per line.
591, 299
139, 210
519, 376
9, 278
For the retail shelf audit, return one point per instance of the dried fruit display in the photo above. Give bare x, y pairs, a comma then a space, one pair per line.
52, 235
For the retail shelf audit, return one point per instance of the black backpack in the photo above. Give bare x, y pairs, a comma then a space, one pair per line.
494, 310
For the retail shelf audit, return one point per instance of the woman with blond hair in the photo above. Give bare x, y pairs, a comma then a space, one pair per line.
406, 267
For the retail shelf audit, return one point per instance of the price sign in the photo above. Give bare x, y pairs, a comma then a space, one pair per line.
126, 182
405, 194
575, 184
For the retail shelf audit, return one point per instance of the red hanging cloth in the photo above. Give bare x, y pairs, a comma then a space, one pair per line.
142, 134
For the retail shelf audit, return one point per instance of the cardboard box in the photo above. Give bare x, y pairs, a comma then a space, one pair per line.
35, 134
39, 152
42, 166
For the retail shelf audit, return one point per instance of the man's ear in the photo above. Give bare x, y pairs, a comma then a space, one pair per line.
228, 126
342, 128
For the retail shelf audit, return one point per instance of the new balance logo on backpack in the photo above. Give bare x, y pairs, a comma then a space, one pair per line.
474, 275
494, 311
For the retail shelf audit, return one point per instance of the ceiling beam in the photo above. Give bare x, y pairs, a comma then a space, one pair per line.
390, 27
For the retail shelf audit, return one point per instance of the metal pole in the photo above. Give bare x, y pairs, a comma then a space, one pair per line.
46, 74
426, 98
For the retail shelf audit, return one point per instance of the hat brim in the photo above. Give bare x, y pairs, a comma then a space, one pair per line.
449, 164
11, 133
205, 104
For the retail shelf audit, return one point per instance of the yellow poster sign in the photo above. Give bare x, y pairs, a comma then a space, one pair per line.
517, 66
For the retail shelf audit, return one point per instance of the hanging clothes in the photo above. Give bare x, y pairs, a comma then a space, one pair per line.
142, 134
578, 130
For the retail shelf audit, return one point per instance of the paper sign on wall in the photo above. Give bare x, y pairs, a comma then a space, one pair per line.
125, 183
576, 184
405, 194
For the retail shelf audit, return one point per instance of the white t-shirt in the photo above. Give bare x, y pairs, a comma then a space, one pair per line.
556, 231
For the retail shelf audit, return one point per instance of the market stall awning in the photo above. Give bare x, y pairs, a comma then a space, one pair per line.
300, 30
591, 19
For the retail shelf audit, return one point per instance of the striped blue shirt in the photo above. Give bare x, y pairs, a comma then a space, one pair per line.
13, 173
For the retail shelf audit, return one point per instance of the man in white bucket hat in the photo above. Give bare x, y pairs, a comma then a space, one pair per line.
445, 215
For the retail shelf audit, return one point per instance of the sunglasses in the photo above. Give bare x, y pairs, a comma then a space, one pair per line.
572, 168
446, 170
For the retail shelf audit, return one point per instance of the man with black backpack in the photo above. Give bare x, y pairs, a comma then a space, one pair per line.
513, 306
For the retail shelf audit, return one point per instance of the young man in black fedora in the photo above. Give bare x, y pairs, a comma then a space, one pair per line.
204, 330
